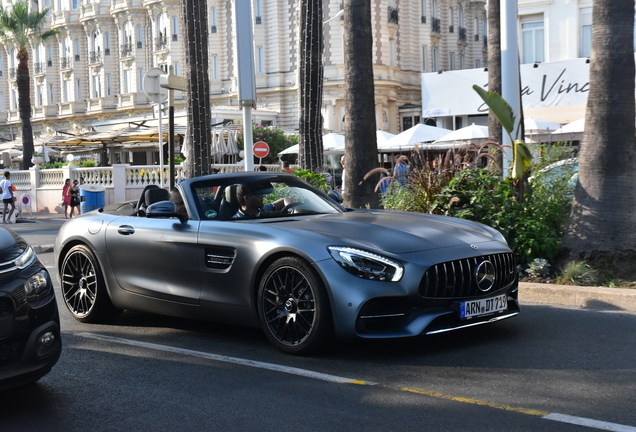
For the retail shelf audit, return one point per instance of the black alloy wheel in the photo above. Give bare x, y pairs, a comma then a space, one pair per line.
83, 286
293, 307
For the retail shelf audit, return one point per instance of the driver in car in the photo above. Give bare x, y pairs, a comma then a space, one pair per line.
250, 198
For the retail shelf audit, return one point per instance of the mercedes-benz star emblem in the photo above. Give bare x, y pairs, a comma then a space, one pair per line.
485, 275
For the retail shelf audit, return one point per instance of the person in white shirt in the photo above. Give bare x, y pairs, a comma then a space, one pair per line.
7, 197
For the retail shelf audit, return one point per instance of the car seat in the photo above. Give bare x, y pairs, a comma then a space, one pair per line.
229, 202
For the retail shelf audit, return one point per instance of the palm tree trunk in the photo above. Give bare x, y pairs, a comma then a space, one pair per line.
494, 64
601, 227
199, 109
24, 104
310, 80
361, 148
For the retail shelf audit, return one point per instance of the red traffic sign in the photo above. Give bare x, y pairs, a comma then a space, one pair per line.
261, 149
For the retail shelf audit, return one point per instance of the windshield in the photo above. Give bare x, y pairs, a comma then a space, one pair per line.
246, 197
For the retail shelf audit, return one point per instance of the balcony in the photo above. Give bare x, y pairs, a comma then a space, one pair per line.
99, 104
67, 109
44, 112
436, 26
66, 63
95, 57
132, 100
393, 15
126, 50
39, 68
463, 35
161, 43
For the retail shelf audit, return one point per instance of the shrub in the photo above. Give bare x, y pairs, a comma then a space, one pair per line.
579, 273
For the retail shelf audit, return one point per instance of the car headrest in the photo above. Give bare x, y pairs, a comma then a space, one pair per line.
231, 196
155, 195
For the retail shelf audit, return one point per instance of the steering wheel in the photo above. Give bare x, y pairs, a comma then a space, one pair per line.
290, 206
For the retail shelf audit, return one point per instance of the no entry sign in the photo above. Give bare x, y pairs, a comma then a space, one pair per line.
261, 149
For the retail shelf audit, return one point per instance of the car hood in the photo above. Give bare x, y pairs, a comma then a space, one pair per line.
11, 245
395, 232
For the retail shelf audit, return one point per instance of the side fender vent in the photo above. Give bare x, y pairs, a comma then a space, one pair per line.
219, 258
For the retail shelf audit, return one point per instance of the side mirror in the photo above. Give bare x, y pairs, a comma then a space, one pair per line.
335, 196
163, 209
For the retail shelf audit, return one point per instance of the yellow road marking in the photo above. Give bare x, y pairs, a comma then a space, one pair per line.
475, 401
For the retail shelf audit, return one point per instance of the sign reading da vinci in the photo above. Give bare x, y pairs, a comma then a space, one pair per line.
553, 84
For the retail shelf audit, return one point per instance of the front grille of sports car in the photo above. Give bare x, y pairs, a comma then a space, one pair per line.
457, 279
219, 258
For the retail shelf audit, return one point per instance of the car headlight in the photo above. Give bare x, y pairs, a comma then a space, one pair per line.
367, 265
25, 260
37, 286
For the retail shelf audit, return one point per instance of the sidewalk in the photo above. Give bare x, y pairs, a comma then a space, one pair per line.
565, 295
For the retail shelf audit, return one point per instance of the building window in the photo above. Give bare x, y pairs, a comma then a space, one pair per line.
423, 7
258, 12
107, 44
96, 86
140, 75
392, 53
424, 53
109, 85
66, 91
140, 37
586, 32
78, 90
260, 61
215, 67
462, 63
213, 20
2, 107
51, 94
75, 4
532, 39
77, 50
175, 30
451, 61
434, 63
40, 95
49, 56
175, 68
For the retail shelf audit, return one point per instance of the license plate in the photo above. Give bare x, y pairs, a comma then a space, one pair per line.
481, 307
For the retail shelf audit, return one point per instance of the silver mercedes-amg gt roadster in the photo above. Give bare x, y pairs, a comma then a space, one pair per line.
296, 263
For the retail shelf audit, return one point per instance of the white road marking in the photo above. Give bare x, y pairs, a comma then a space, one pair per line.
596, 424
563, 418
226, 359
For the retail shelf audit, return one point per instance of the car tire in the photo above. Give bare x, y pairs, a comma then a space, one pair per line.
293, 307
83, 288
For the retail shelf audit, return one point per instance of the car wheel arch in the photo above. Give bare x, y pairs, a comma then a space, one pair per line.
264, 264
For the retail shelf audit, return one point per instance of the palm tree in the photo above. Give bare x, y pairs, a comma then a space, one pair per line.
23, 27
199, 142
310, 80
361, 147
601, 226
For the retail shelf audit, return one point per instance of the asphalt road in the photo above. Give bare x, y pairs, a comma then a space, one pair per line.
549, 366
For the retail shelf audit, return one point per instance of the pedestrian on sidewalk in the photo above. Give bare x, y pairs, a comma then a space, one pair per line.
66, 198
73, 193
7, 197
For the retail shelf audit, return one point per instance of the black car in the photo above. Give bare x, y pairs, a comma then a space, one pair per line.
30, 342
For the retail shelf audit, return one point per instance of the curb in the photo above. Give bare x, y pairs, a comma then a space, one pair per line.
586, 297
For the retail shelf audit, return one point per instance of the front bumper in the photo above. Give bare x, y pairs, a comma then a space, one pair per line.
30, 337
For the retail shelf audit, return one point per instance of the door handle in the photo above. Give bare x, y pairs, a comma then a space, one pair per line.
126, 230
